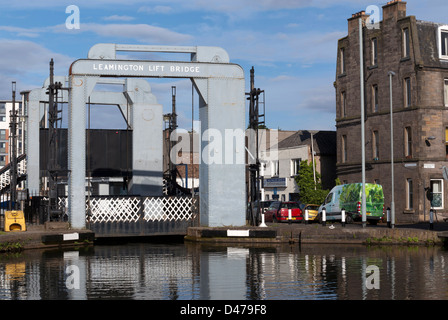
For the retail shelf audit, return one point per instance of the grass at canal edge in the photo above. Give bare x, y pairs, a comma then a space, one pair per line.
401, 240
11, 246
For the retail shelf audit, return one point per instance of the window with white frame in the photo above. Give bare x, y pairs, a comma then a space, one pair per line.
443, 42
436, 186
295, 166
409, 194
275, 168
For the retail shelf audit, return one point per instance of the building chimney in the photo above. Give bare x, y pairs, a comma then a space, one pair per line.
353, 22
395, 10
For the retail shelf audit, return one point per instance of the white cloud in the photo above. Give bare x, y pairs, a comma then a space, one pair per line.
118, 18
27, 63
141, 32
261, 47
156, 9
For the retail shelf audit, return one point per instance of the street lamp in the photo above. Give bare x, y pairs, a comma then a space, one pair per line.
392, 204
363, 154
427, 140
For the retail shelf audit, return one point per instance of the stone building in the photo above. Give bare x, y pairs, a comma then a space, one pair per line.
417, 54
279, 173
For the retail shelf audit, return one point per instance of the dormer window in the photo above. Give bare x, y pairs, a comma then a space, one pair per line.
443, 42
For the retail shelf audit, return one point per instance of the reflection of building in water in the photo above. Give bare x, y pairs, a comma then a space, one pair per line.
405, 273
192, 272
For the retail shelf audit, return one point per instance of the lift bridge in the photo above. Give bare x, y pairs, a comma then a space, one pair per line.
154, 204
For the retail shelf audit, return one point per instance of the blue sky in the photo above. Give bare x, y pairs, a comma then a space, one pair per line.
291, 44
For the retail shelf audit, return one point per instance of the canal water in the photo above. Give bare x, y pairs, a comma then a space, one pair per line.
192, 271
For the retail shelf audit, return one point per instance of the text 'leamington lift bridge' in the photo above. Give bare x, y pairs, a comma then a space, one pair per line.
220, 87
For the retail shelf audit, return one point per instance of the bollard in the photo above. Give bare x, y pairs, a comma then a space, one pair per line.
263, 225
388, 217
431, 219
289, 215
343, 217
306, 216
324, 217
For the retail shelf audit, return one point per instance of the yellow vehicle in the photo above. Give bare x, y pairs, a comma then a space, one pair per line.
312, 211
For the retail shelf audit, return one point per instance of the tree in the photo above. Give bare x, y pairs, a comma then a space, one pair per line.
309, 192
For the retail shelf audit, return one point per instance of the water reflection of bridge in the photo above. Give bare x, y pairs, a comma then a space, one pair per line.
203, 272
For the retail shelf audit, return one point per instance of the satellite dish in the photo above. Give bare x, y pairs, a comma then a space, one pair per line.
445, 172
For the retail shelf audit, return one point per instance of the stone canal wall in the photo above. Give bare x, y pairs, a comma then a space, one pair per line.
317, 234
50, 235
54, 235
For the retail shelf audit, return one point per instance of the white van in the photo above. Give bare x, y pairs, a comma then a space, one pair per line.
331, 205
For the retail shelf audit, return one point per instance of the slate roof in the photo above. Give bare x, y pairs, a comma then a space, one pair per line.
324, 141
428, 44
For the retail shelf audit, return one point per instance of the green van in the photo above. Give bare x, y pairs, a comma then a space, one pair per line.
349, 197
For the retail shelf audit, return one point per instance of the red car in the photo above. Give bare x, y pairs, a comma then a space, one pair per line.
279, 212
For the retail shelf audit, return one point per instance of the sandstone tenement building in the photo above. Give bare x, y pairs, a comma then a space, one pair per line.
417, 53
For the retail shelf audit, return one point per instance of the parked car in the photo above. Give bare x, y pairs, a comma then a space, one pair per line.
264, 206
278, 211
312, 211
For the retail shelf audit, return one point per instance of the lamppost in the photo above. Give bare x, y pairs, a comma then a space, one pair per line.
392, 204
363, 155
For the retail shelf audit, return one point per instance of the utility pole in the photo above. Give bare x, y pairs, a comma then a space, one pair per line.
172, 127
13, 151
363, 153
53, 166
254, 167
171, 118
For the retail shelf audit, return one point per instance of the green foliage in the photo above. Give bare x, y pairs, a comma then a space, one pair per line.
337, 182
11, 247
309, 191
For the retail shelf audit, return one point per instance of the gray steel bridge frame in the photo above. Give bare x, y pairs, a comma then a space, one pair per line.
140, 184
220, 85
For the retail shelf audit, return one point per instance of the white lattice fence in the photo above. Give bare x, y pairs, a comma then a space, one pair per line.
119, 209
169, 208
130, 209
